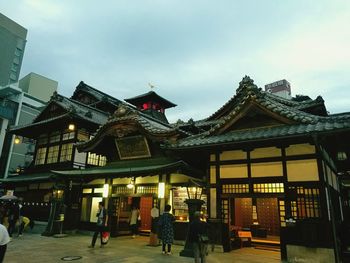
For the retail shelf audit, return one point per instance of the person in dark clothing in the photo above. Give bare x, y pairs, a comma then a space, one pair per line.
13, 216
101, 225
198, 228
166, 229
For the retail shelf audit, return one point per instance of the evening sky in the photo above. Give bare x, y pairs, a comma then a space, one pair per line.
194, 51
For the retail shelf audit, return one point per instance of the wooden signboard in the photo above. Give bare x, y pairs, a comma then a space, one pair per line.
132, 147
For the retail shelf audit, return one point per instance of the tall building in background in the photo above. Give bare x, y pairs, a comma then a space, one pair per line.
20, 103
12, 44
38, 86
280, 88
16, 108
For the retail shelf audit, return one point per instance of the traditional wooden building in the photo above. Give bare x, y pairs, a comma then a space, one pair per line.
138, 172
93, 147
62, 123
272, 168
271, 165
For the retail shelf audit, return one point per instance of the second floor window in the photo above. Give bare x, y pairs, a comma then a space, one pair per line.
66, 152
52, 155
55, 137
40, 156
55, 147
95, 159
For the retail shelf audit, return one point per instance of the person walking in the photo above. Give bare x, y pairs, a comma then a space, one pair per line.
134, 218
198, 236
166, 229
4, 240
13, 216
101, 225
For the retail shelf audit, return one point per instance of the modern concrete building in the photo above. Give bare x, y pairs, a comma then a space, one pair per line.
12, 44
38, 86
280, 88
16, 108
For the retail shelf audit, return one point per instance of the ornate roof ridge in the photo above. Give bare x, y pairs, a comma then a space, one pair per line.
246, 85
125, 113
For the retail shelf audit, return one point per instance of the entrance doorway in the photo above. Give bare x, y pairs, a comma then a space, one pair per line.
260, 216
146, 204
121, 208
268, 217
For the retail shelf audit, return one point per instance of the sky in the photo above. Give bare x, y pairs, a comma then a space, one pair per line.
194, 52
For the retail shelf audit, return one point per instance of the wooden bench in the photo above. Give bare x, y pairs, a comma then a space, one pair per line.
245, 236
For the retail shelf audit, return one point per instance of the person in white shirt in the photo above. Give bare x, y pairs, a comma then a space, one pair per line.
133, 220
4, 240
155, 217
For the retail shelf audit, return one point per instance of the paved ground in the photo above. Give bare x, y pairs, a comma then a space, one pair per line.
36, 248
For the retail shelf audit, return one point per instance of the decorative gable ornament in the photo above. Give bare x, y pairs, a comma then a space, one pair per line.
123, 111
246, 83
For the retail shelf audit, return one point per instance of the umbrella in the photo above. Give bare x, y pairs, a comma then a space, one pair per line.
8, 198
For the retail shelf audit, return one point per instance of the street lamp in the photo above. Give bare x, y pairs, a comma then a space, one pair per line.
194, 203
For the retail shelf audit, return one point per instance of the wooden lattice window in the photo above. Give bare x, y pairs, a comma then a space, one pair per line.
66, 152
122, 190
225, 210
40, 156
235, 188
282, 213
268, 188
307, 202
52, 155
147, 190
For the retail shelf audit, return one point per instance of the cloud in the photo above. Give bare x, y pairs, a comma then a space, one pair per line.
195, 52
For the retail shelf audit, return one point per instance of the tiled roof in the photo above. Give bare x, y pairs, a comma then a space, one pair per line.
153, 96
99, 95
73, 109
82, 110
248, 87
126, 114
299, 122
262, 133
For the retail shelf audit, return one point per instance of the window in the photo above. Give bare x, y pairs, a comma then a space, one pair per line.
147, 190
68, 135
95, 159
52, 154
307, 204
103, 160
282, 213
235, 188
269, 188
66, 152
16, 60
14, 67
40, 156
13, 76
121, 190
83, 135
55, 137
18, 52
42, 139
92, 159
225, 210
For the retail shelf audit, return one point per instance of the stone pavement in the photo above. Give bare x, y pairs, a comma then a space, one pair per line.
36, 248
